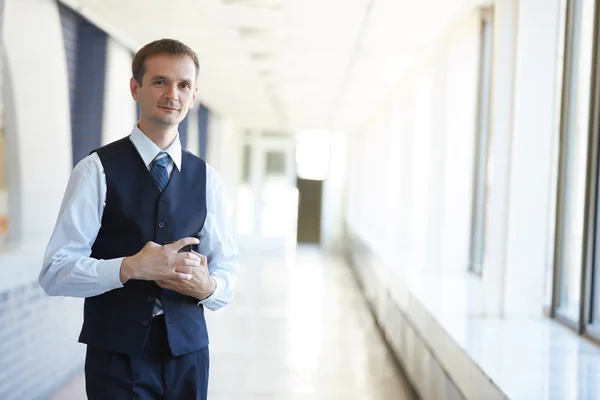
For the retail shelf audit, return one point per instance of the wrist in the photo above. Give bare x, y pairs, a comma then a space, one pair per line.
126, 272
208, 291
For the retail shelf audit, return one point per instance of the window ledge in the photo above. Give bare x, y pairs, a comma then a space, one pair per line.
526, 358
484, 358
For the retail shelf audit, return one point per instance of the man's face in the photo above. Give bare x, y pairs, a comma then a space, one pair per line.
167, 90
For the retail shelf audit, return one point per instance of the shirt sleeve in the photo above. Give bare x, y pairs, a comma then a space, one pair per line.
68, 269
217, 244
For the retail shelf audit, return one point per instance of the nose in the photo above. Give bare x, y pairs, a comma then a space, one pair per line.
171, 93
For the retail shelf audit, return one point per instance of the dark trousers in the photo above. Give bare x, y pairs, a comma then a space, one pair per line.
153, 374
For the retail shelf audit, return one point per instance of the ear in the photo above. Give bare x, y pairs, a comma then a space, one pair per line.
133, 86
194, 96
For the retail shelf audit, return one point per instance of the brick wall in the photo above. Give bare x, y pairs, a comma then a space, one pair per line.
39, 352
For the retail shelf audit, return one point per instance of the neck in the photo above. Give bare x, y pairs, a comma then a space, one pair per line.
161, 136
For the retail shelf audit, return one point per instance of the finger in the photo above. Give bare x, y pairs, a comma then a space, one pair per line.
178, 245
202, 257
188, 259
180, 276
184, 270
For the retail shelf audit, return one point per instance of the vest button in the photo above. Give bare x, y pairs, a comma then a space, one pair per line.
146, 323
161, 224
150, 299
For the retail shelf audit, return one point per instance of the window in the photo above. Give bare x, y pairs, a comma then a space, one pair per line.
591, 295
573, 186
246, 162
552, 209
275, 163
482, 141
3, 183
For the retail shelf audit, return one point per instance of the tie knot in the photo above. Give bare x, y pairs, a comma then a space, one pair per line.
162, 159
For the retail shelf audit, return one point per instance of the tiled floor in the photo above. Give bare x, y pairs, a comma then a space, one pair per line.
297, 330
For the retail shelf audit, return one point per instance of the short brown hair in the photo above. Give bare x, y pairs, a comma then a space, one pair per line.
163, 46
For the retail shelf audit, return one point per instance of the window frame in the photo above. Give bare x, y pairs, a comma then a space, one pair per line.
591, 241
482, 132
590, 262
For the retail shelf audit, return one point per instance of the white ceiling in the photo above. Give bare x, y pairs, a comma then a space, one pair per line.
287, 64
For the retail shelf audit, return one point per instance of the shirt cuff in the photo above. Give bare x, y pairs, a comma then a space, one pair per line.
218, 289
109, 274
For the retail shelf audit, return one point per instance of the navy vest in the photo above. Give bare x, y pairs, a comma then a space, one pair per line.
137, 212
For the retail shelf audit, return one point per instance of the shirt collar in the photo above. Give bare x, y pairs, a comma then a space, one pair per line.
148, 150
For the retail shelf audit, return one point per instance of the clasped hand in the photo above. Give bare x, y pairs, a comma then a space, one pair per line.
186, 273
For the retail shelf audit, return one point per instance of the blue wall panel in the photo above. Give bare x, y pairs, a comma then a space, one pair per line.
70, 24
89, 93
85, 47
203, 121
183, 131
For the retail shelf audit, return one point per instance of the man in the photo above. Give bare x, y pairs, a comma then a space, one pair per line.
131, 212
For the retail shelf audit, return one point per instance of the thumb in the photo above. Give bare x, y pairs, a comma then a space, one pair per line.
178, 245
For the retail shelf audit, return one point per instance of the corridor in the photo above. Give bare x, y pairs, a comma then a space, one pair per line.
298, 329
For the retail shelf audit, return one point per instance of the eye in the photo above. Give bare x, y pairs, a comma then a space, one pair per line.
159, 82
185, 85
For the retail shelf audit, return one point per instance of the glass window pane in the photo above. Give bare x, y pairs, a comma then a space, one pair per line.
576, 156
595, 309
246, 163
550, 235
479, 198
275, 163
3, 184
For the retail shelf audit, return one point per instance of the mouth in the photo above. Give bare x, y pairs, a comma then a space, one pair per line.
168, 108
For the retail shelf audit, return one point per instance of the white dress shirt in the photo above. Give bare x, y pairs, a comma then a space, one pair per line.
68, 269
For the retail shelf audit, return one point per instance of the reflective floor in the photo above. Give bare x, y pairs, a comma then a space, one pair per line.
298, 329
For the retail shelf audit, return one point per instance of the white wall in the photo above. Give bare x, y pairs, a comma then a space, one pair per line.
432, 120
333, 192
224, 153
427, 132
119, 106
462, 61
410, 186
418, 167
503, 82
37, 116
435, 219
532, 156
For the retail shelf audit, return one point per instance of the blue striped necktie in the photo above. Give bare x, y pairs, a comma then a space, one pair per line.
159, 170
161, 178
